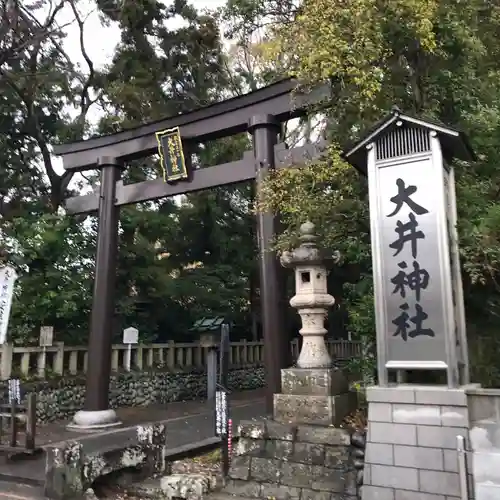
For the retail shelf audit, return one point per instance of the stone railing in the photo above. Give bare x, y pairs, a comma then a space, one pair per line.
59, 359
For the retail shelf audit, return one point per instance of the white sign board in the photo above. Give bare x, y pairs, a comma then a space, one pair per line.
46, 336
131, 335
221, 413
8, 277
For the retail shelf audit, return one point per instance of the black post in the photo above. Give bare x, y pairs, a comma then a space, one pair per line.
103, 304
265, 130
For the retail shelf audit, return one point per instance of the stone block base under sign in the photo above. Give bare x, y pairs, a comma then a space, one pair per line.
411, 448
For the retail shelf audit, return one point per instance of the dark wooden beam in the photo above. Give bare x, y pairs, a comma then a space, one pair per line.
204, 178
222, 119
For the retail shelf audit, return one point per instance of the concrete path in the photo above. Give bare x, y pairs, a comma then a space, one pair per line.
28, 475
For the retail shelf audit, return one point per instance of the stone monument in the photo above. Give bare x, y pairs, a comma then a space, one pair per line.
301, 454
413, 429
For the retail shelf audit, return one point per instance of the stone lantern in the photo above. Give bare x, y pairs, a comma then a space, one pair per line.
311, 297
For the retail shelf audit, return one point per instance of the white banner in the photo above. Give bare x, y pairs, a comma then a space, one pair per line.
8, 277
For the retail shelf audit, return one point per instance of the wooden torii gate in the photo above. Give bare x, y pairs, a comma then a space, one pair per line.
260, 113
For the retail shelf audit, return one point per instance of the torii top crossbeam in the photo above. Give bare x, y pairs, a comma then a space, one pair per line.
218, 120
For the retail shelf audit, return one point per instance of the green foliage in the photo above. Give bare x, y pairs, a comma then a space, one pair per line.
178, 259
441, 62
185, 258
54, 259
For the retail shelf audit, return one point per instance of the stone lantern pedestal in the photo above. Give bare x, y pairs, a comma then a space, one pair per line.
315, 392
301, 453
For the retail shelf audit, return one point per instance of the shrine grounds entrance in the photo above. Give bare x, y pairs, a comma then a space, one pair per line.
260, 113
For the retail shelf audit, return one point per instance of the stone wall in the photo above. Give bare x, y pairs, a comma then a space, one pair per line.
60, 399
292, 462
484, 414
411, 448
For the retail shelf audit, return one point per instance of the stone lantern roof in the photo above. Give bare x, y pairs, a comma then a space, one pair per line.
307, 253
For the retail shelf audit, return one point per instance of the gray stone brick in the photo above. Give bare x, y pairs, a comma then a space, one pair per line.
240, 467
450, 460
298, 475
333, 480
379, 432
279, 492
279, 449
380, 412
416, 414
440, 396
377, 493
395, 477
483, 408
313, 382
378, 453
418, 457
439, 437
454, 416
335, 456
486, 491
265, 469
246, 445
308, 453
401, 394
367, 474
254, 429
248, 489
350, 487
284, 432
442, 483
416, 495
323, 435
307, 494
315, 410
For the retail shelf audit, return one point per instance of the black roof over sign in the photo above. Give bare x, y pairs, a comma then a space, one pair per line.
453, 142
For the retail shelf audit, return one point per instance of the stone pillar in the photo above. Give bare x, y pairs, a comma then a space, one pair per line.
315, 392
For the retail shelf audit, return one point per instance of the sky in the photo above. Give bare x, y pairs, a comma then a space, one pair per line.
100, 41
101, 47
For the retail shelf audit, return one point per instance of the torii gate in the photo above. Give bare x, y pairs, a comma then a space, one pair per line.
260, 113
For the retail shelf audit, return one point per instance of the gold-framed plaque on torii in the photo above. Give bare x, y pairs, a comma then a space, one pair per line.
172, 159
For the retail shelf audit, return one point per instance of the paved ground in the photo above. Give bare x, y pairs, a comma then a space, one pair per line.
187, 423
55, 432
